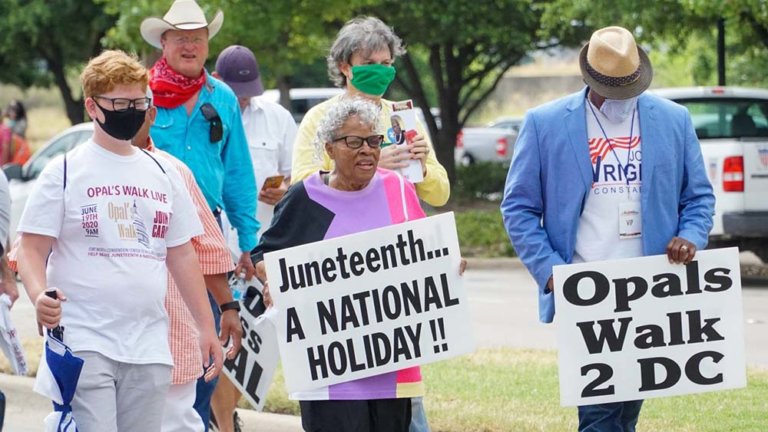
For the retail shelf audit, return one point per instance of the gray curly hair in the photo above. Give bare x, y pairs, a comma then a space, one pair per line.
365, 35
329, 127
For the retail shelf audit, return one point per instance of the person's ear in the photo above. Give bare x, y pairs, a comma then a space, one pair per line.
163, 40
346, 69
151, 114
91, 108
329, 150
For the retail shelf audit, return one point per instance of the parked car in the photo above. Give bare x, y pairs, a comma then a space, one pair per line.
302, 99
493, 143
732, 126
22, 178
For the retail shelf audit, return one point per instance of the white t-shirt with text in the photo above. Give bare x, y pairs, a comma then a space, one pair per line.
113, 224
610, 227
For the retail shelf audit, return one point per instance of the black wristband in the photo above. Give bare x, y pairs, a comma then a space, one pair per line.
233, 305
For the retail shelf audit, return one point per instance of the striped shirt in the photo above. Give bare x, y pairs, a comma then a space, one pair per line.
214, 258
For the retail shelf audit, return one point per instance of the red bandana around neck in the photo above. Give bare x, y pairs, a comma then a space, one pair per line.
170, 88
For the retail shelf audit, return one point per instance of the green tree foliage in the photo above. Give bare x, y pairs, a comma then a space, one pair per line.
465, 47
675, 29
43, 42
287, 36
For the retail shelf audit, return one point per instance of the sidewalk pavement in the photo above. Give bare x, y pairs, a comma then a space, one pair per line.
25, 410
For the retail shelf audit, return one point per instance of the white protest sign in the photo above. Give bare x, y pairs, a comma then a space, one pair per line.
253, 368
642, 328
369, 303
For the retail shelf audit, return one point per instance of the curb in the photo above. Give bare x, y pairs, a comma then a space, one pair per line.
500, 264
26, 410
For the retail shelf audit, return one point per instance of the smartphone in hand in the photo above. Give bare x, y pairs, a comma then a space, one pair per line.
273, 182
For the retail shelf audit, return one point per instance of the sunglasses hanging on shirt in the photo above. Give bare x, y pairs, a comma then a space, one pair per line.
217, 128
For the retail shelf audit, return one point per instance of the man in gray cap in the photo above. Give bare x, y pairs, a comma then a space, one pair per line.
573, 192
270, 130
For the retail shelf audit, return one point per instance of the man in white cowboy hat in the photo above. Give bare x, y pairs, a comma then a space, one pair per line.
198, 122
585, 163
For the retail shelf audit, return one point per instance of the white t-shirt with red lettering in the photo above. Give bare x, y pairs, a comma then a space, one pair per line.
610, 227
113, 224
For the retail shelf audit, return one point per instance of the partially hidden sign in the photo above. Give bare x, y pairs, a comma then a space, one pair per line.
253, 368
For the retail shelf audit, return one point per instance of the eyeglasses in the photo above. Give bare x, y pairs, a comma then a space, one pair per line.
355, 142
123, 104
183, 40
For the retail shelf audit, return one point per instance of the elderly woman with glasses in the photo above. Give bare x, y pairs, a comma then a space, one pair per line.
361, 61
355, 195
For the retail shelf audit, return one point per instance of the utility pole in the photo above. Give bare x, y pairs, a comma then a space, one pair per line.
721, 51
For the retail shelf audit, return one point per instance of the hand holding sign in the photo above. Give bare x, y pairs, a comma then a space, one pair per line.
680, 251
261, 274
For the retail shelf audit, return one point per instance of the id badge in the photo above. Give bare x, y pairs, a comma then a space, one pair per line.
630, 220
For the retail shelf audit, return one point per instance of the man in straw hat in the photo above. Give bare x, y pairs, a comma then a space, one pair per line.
198, 122
576, 178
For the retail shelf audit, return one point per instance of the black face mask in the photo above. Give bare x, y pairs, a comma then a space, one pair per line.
122, 125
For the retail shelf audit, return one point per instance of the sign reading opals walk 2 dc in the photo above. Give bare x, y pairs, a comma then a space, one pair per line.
369, 303
643, 328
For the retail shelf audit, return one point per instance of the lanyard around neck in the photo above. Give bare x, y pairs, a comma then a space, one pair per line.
624, 168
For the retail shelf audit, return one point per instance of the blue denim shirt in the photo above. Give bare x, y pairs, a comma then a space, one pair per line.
223, 169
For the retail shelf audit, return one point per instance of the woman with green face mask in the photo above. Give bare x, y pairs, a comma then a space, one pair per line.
361, 61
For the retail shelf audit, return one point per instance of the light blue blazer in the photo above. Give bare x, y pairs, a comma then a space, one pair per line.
551, 175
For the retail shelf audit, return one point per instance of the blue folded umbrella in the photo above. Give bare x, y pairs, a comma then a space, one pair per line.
57, 379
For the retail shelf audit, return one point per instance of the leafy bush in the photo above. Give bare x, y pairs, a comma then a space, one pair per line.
480, 180
482, 234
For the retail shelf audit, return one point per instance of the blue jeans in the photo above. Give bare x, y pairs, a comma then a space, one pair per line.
609, 417
2, 409
204, 390
418, 416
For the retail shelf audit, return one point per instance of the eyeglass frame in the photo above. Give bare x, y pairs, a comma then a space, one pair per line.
362, 140
184, 40
131, 103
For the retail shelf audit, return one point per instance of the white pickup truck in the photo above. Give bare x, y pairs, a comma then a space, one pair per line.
732, 126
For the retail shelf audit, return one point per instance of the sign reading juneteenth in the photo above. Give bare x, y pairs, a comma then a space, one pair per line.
642, 328
369, 303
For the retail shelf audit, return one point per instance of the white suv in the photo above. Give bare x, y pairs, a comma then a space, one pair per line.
732, 126
302, 99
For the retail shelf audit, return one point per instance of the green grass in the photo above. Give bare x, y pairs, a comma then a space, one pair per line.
481, 234
517, 390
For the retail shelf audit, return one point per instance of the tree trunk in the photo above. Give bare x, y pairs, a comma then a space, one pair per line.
445, 146
284, 85
75, 107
